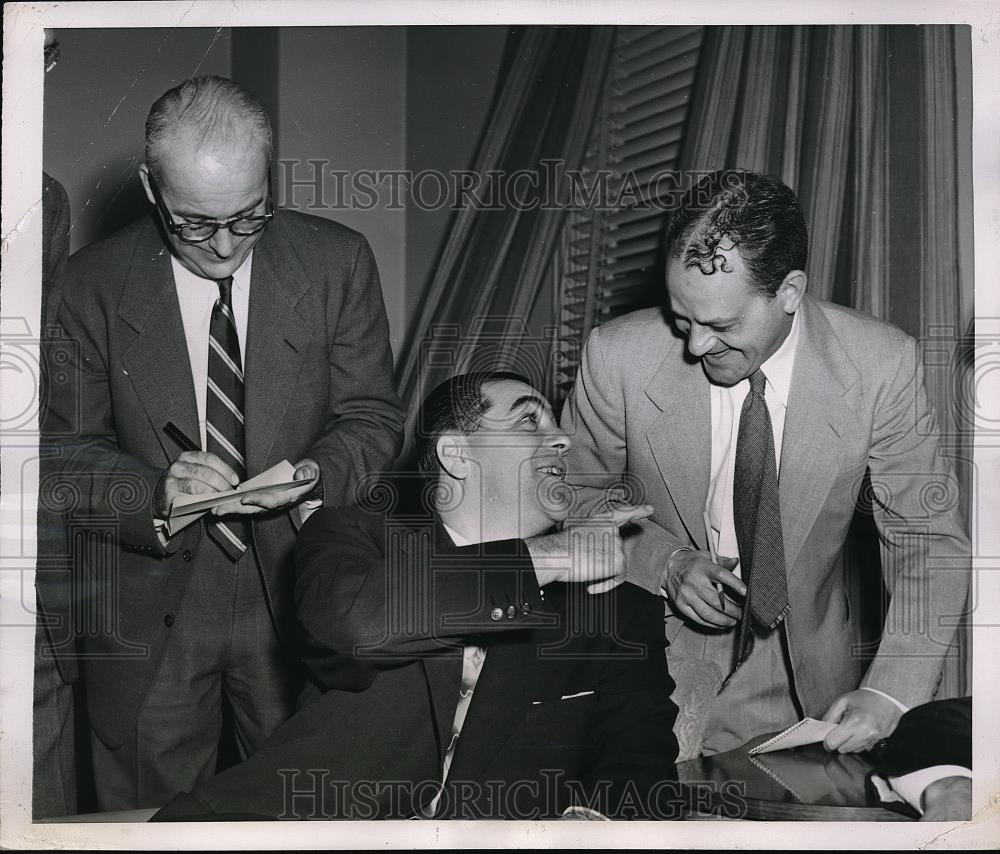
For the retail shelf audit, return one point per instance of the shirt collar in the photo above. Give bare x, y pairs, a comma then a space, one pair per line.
778, 368
456, 537
241, 278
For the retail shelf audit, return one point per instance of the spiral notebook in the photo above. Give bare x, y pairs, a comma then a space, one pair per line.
806, 731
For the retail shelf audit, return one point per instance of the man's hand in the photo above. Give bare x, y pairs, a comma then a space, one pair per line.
307, 471
586, 550
863, 719
192, 473
948, 799
690, 579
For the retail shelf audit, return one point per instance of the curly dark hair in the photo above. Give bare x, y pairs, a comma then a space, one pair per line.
456, 405
758, 213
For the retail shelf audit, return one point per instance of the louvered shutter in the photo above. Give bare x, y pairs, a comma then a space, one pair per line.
609, 260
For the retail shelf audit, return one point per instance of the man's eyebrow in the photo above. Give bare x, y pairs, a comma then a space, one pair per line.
526, 400
203, 218
718, 321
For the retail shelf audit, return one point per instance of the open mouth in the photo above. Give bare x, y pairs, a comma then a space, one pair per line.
555, 470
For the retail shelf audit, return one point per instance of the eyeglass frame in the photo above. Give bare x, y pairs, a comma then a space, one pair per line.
175, 229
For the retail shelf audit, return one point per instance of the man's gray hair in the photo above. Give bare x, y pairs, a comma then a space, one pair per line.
214, 107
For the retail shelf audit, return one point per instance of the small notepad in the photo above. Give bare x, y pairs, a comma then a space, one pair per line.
806, 731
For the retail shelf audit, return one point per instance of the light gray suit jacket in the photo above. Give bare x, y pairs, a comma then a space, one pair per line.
640, 412
318, 384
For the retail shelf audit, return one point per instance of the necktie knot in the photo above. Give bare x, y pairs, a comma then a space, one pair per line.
757, 383
226, 291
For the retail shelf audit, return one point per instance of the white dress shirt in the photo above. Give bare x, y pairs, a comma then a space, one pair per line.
197, 297
727, 404
473, 658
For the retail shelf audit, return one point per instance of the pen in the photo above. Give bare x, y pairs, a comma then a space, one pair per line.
175, 433
715, 557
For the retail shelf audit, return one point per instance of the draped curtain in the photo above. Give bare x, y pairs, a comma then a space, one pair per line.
869, 125
494, 264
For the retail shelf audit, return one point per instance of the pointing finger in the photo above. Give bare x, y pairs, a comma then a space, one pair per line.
621, 515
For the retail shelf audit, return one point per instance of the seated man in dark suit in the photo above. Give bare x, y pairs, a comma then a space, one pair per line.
458, 674
926, 763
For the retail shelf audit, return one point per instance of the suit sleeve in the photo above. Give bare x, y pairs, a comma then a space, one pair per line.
79, 437
632, 748
594, 417
365, 427
385, 594
926, 553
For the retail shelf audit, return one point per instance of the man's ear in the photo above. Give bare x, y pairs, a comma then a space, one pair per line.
791, 291
451, 457
144, 177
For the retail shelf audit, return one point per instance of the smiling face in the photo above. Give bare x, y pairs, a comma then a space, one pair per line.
206, 182
730, 326
515, 462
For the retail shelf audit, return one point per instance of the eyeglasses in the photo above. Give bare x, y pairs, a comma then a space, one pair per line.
199, 232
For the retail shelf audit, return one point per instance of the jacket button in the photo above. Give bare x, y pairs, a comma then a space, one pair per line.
511, 612
496, 614
526, 608
168, 620
187, 556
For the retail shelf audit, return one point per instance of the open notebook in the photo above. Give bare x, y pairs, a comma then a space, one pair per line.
806, 731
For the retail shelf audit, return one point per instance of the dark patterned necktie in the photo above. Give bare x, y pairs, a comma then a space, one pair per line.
757, 515
224, 411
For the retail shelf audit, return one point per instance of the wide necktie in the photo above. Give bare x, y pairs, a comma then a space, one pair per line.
757, 517
224, 411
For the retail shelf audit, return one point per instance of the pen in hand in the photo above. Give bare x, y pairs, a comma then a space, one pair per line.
178, 435
715, 557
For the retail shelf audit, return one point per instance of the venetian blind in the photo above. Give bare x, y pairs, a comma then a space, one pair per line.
609, 261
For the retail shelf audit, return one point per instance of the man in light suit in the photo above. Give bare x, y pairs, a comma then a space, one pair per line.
461, 670
838, 393
213, 340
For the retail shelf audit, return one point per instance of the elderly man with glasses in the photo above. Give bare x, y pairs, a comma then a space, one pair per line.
210, 342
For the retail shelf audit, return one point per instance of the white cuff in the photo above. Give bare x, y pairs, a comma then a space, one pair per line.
666, 563
891, 699
161, 531
911, 786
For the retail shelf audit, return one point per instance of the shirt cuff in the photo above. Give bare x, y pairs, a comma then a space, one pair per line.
305, 509
584, 812
910, 787
893, 700
663, 590
161, 531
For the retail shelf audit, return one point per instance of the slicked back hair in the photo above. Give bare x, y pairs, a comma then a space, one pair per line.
214, 107
456, 405
758, 213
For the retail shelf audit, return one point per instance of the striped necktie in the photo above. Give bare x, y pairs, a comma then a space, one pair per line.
757, 515
224, 412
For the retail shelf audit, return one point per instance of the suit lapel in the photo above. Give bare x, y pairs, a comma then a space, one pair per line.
277, 335
156, 360
816, 419
680, 439
511, 676
444, 672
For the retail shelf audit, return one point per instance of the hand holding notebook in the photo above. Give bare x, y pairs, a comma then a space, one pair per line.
806, 731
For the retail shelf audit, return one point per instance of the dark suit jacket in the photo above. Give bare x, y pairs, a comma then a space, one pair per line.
572, 704
53, 548
938, 733
318, 384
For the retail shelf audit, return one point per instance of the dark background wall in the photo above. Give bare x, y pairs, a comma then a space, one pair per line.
356, 98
